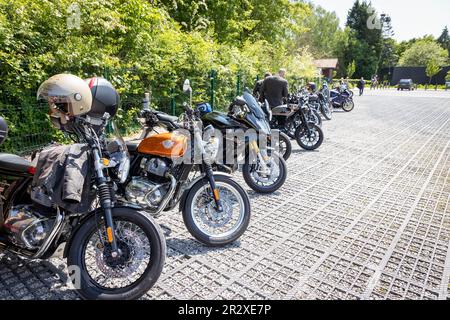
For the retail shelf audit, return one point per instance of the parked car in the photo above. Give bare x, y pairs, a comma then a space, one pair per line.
406, 84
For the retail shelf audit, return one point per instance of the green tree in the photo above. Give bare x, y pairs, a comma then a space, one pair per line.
351, 68
235, 21
444, 40
423, 51
323, 33
447, 77
388, 56
432, 69
365, 39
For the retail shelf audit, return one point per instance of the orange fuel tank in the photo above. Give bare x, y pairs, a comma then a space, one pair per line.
169, 145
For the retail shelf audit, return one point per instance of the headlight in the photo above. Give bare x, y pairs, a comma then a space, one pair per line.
124, 169
122, 165
211, 149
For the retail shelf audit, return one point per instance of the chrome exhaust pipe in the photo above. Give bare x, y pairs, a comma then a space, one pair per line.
169, 195
59, 222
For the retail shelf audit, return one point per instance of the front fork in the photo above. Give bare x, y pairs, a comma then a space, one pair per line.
263, 157
209, 173
106, 202
212, 183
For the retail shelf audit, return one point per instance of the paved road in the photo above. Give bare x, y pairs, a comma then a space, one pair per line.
365, 217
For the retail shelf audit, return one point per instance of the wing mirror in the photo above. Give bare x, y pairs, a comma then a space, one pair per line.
187, 86
187, 89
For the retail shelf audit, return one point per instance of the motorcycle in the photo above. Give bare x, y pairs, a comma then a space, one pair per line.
215, 209
284, 145
341, 97
307, 134
264, 170
113, 252
320, 103
293, 120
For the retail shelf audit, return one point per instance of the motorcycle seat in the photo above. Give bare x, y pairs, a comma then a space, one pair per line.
132, 146
281, 110
12, 162
166, 118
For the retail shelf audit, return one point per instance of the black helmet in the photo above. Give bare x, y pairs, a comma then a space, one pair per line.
3, 130
105, 98
312, 86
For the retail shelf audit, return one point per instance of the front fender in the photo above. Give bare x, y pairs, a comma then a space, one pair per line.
193, 182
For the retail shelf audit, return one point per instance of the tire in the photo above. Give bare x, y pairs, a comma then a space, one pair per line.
88, 288
313, 117
247, 170
348, 106
301, 132
327, 113
197, 232
286, 141
292, 125
319, 118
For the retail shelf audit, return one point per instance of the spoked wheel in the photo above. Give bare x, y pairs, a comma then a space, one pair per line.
209, 225
314, 117
348, 105
266, 179
142, 251
292, 125
310, 138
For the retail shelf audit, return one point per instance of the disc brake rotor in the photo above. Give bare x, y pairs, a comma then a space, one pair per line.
213, 218
266, 177
131, 253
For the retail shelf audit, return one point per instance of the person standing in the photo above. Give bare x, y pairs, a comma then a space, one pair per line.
258, 85
361, 85
275, 89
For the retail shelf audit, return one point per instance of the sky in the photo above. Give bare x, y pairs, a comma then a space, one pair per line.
410, 18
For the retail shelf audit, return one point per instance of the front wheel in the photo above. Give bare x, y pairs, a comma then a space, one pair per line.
309, 138
348, 105
266, 178
209, 225
326, 111
284, 146
142, 251
314, 117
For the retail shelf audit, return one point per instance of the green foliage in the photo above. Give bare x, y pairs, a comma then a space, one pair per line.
447, 77
142, 45
364, 44
236, 21
324, 34
422, 52
432, 69
444, 40
351, 68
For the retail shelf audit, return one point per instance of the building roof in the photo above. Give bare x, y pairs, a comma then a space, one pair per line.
326, 63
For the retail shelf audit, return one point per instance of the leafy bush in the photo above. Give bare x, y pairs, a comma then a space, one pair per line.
133, 43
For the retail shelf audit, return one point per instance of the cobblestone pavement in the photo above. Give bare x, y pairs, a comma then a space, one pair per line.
365, 217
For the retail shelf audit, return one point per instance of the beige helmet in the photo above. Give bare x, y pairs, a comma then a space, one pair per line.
66, 94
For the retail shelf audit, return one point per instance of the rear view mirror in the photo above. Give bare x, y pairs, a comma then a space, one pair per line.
187, 86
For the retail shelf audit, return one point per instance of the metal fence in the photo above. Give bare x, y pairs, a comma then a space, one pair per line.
30, 128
